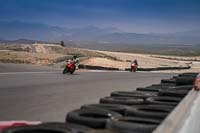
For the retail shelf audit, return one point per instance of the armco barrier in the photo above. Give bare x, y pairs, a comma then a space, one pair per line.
185, 118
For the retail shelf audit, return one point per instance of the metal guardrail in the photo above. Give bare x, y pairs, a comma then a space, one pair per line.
184, 118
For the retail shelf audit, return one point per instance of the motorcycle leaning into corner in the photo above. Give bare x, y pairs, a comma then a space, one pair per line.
134, 67
70, 67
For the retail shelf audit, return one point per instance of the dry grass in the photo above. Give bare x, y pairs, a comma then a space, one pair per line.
28, 58
78, 51
56, 53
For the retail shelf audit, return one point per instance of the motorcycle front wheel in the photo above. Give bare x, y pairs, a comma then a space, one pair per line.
65, 71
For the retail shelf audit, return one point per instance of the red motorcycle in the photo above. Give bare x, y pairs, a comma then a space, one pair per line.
134, 67
70, 67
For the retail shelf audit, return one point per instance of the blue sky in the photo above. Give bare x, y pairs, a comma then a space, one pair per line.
142, 16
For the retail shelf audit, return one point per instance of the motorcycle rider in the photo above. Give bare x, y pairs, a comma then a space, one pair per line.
70, 66
73, 60
134, 62
69, 61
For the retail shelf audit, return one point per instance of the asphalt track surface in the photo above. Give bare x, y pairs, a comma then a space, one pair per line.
45, 94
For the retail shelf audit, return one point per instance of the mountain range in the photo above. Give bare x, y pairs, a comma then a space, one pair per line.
91, 34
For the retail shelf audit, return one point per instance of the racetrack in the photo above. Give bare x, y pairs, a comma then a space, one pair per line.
42, 93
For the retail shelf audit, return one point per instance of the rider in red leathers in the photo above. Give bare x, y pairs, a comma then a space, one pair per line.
134, 66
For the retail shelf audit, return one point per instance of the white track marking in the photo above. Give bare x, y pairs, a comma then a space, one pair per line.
14, 73
117, 71
49, 72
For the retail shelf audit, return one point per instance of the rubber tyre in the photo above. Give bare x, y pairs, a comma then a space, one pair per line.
74, 128
184, 87
37, 129
167, 84
159, 86
172, 80
153, 106
173, 93
151, 111
135, 94
154, 93
95, 118
188, 74
122, 100
65, 71
72, 71
163, 100
101, 131
132, 125
149, 89
112, 107
185, 80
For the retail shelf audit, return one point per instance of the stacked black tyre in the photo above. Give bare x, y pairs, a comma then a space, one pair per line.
139, 111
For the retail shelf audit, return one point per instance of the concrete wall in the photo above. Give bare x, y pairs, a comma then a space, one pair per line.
192, 122
185, 118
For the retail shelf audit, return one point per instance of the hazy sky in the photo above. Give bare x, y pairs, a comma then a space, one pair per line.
128, 15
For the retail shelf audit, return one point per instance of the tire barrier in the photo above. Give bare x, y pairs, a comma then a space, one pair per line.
73, 128
139, 111
188, 74
113, 107
164, 84
122, 100
173, 93
149, 89
132, 125
185, 87
163, 100
94, 118
151, 111
185, 80
168, 90
153, 93
47, 128
134, 94
172, 80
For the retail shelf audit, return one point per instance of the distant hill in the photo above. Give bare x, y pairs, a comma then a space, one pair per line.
91, 35
25, 41
41, 32
32, 31
19, 41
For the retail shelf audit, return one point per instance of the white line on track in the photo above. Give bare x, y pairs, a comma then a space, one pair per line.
13, 73
49, 72
117, 71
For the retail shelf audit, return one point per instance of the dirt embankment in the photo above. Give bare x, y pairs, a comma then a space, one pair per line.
29, 54
28, 58
105, 62
124, 60
44, 54
48, 54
